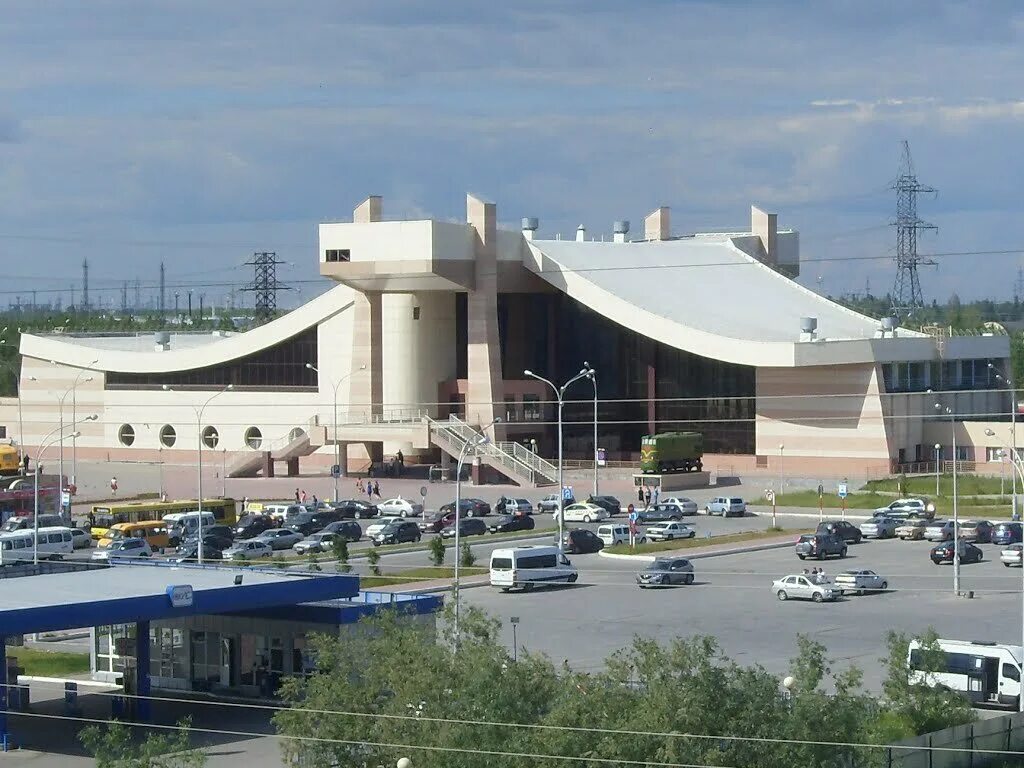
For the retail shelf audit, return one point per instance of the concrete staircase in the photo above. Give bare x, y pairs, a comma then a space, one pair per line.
287, 449
518, 463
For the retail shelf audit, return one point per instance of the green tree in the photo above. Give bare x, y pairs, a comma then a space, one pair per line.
112, 746
466, 557
437, 551
313, 562
340, 550
373, 558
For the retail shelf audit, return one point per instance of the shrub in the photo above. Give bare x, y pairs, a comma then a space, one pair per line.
436, 549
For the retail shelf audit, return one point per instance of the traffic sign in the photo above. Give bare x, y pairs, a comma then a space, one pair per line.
821, 490
336, 470
843, 493
423, 490
567, 493
769, 494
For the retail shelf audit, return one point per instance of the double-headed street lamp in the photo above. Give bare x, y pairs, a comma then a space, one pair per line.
476, 442
560, 397
199, 460
70, 391
337, 444
956, 513
48, 441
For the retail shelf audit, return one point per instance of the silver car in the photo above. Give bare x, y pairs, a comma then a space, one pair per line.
802, 587
939, 530
687, 505
879, 528
1011, 555
124, 548
280, 538
860, 581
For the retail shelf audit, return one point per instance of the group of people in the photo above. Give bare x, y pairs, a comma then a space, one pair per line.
371, 489
301, 498
817, 575
646, 497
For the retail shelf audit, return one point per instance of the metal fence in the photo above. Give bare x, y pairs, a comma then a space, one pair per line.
942, 749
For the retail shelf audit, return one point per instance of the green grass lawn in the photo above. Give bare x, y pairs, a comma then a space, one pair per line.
924, 485
732, 538
413, 575
49, 663
971, 506
828, 501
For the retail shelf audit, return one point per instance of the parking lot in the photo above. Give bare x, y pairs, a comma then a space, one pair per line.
732, 600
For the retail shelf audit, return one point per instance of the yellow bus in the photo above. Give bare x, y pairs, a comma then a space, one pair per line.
10, 461
103, 516
153, 531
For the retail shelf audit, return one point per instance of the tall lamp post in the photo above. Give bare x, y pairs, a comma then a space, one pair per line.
592, 375
560, 397
337, 444
74, 412
782, 476
199, 461
60, 412
476, 442
956, 513
1013, 432
938, 467
48, 441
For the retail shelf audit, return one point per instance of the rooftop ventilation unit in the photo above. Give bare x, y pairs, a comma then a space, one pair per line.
530, 225
888, 325
808, 328
619, 231
161, 341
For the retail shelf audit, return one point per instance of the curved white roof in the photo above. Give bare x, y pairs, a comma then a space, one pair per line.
706, 296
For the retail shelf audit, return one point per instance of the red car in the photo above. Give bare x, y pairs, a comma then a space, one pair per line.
434, 522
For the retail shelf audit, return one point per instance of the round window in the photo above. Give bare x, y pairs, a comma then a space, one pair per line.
126, 434
210, 437
167, 435
253, 438
296, 433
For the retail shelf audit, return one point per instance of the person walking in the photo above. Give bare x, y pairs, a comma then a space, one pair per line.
24, 464
369, 490
376, 489
657, 493
296, 495
640, 495
303, 500
400, 457
359, 486
245, 504
647, 498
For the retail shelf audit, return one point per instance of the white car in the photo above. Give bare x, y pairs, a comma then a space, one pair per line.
670, 530
688, 506
379, 525
909, 508
618, 533
860, 581
879, 528
801, 587
583, 512
124, 548
400, 507
1011, 555
248, 549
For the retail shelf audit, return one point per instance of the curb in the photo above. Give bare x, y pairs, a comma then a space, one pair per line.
700, 555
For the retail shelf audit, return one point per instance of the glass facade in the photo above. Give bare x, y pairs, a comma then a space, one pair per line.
281, 367
948, 376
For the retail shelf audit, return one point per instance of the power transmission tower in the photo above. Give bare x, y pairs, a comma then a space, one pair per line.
264, 285
906, 293
85, 285
162, 286
138, 303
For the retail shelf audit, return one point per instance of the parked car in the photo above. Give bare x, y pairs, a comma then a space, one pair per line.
912, 530
688, 506
939, 530
249, 526
398, 532
433, 522
550, 503
400, 507
609, 503
357, 509
943, 553
1007, 533
845, 530
726, 506
802, 587
660, 512
468, 508
820, 545
666, 572
1011, 555
248, 549
80, 539
124, 548
583, 512
346, 529
219, 536
508, 506
879, 528
580, 541
979, 531
280, 538
188, 552
914, 508
322, 541
210, 543
860, 581
379, 525
509, 523
669, 531
468, 526
618, 533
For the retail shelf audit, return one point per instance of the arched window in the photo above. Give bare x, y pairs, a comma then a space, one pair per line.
167, 436
126, 434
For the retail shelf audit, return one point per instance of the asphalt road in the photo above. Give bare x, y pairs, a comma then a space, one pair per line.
732, 600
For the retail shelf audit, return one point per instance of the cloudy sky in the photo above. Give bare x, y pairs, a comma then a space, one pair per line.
195, 132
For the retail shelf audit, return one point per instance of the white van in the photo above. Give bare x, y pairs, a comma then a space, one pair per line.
618, 533
986, 673
54, 543
181, 525
529, 566
283, 511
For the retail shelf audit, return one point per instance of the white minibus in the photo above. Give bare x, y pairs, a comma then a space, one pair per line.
54, 543
527, 567
986, 673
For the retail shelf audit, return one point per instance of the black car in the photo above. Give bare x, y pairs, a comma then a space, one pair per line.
398, 532
609, 503
846, 531
347, 529
509, 523
188, 552
357, 509
660, 513
468, 526
468, 508
1007, 533
581, 541
306, 523
250, 526
665, 572
943, 553
216, 536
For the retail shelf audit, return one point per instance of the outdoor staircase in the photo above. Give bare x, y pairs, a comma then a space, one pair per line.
286, 449
513, 460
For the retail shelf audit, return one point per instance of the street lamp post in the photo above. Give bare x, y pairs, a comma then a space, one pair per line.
938, 465
592, 375
337, 443
956, 512
1013, 433
782, 476
481, 439
1018, 466
199, 462
560, 397
45, 443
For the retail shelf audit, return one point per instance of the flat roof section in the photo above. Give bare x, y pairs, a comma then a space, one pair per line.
127, 593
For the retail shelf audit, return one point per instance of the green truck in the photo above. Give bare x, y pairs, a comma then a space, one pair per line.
672, 452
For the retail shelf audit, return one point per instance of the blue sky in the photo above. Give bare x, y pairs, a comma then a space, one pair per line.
197, 132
